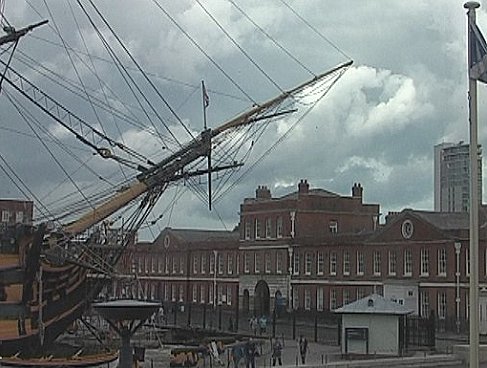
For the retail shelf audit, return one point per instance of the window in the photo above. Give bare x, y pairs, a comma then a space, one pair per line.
237, 262
229, 295
377, 263
442, 262
360, 293
295, 299
279, 262
267, 262
230, 264
220, 263
166, 265
425, 262
141, 264
160, 264
256, 263
296, 263
333, 299
173, 293
307, 299
392, 263
166, 292
181, 264
219, 294
195, 264
441, 305
203, 263
181, 293
248, 228
333, 263
5, 216
346, 297
195, 293
307, 265
408, 262
467, 262
210, 294
360, 263
320, 264
202, 293
246, 263
333, 225
153, 265
346, 263
174, 265
19, 217
320, 302
268, 228
212, 263
425, 304
279, 227
257, 228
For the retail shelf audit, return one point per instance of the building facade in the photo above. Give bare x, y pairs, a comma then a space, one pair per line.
451, 177
16, 211
314, 251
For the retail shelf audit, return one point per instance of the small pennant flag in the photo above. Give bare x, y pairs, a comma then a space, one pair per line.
206, 98
478, 55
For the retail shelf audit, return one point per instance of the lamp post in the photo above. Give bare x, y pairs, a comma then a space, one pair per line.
458, 247
215, 254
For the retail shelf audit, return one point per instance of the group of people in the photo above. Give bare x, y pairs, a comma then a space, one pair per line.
258, 324
277, 347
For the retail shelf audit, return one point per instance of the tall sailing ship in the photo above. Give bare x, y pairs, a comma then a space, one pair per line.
45, 267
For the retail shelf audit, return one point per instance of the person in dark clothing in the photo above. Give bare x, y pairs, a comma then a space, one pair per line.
276, 352
250, 354
303, 348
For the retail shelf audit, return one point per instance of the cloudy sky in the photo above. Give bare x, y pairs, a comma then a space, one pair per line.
405, 92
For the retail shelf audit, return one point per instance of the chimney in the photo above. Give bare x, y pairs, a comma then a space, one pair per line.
357, 190
303, 187
262, 192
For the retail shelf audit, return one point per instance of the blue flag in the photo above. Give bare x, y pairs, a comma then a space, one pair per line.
478, 55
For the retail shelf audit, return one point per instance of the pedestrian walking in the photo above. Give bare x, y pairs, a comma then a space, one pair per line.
250, 354
303, 348
263, 324
276, 352
253, 325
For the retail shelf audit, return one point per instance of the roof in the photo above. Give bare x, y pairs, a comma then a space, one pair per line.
374, 304
314, 192
194, 235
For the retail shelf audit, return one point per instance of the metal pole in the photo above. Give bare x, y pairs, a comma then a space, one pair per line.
215, 253
474, 202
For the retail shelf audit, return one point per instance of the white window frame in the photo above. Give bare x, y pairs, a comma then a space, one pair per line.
181, 264
268, 227
248, 230
181, 293
195, 264
392, 263
377, 263
195, 293
19, 217
230, 263
279, 262
346, 297
202, 293
320, 264
220, 263
229, 295
467, 262
424, 262
346, 263
425, 304
203, 263
256, 263
333, 226
333, 299
279, 227
320, 299
442, 305
295, 263
307, 299
307, 263
212, 264
246, 262
408, 262
360, 263
333, 263
5, 216
257, 228
267, 262
210, 294
442, 262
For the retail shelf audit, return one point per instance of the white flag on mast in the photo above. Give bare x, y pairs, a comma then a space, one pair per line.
478, 53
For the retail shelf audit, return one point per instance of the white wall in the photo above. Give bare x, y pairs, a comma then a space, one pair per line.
407, 293
383, 331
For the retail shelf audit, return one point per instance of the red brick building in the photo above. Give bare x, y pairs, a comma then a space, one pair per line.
314, 250
15, 211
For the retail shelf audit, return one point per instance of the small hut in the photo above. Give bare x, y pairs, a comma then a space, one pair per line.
373, 325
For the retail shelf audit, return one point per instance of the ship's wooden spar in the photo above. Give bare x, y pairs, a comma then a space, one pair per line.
169, 168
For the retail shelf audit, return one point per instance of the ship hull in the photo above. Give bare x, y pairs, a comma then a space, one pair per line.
39, 299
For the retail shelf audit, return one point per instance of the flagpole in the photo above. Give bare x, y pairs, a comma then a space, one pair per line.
205, 102
474, 201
